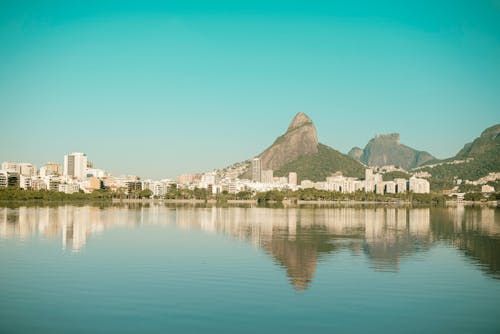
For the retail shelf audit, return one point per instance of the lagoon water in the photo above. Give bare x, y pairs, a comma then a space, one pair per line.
186, 269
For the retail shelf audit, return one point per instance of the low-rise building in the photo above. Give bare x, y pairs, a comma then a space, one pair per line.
419, 186
487, 189
69, 188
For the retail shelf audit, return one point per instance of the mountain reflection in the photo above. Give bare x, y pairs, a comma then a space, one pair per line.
297, 239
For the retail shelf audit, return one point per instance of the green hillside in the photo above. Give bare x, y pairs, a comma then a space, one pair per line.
318, 166
484, 155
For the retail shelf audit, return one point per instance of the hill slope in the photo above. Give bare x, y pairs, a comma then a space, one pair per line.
487, 143
317, 166
481, 157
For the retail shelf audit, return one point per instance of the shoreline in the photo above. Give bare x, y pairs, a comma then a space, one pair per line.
251, 202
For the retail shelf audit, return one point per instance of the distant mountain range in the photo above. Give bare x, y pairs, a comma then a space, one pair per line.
298, 150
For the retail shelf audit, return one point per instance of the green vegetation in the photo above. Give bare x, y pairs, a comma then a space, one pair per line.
316, 167
270, 196
443, 175
468, 188
473, 197
16, 194
312, 194
494, 197
390, 176
485, 154
488, 142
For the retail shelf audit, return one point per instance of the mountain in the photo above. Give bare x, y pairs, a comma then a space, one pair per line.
356, 153
299, 139
316, 167
298, 150
475, 160
386, 150
487, 143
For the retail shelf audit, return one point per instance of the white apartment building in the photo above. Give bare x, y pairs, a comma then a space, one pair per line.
75, 165
419, 186
208, 179
68, 188
95, 172
3, 178
25, 182
267, 176
10, 167
21, 168
401, 185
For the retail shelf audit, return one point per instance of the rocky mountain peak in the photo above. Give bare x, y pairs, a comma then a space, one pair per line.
298, 140
390, 137
299, 120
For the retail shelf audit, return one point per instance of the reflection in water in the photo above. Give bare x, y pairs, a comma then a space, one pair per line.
297, 239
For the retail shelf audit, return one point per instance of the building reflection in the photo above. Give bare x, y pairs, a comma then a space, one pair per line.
475, 232
297, 239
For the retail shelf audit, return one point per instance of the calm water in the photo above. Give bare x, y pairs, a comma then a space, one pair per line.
140, 269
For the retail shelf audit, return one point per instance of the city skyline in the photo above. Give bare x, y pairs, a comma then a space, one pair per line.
169, 88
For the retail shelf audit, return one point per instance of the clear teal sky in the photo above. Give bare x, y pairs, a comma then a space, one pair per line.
160, 88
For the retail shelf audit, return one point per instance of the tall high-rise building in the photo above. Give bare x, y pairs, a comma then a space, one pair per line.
292, 178
256, 170
75, 165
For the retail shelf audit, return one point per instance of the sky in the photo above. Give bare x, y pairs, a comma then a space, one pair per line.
160, 88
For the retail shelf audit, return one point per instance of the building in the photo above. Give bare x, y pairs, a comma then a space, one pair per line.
3, 178
419, 186
283, 180
267, 176
371, 183
306, 184
25, 182
390, 187
21, 168
209, 181
52, 183
93, 183
75, 165
256, 170
68, 188
292, 179
10, 167
26, 169
187, 178
95, 172
487, 189
12, 180
53, 168
133, 186
401, 185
